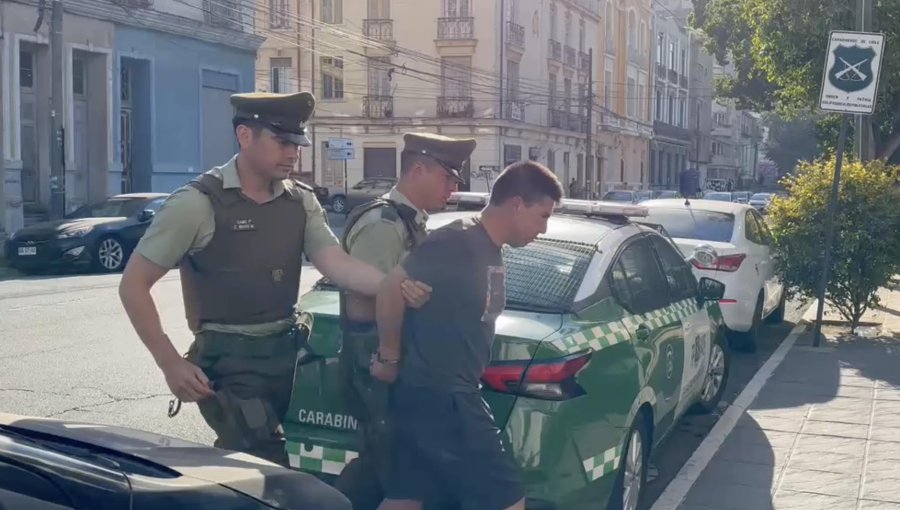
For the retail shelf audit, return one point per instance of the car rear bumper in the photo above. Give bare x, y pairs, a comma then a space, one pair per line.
738, 308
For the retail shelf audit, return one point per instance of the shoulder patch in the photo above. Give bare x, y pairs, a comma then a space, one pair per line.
389, 212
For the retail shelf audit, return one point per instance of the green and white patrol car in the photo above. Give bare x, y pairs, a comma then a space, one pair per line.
606, 341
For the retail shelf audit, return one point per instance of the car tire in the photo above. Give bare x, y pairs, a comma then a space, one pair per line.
339, 204
632, 474
777, 315
717, 372
109, 255
747, 341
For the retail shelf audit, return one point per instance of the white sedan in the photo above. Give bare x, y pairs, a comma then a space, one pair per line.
731, 243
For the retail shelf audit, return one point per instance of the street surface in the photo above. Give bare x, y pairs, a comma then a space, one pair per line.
69, 351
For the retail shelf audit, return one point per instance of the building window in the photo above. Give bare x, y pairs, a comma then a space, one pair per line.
660, 48
125, 84
660, 109
683, 62
610, 29
553, 23
642, 100
567, 93
512, 80
333, 11
282, 75
456, 77
632, 99
512, 11
568, 35
332, 70
681, 112
279, 14
632, 32
79, 76
608, 82
581, 35
553, 97
670, 118
457, 9
672, 55
379, 79
26, 69
642, 35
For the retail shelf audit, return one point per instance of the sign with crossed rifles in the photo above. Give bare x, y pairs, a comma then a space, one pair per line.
852, 65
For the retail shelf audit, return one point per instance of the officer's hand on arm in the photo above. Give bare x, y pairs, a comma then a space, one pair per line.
415, 293
390, 306
174, 230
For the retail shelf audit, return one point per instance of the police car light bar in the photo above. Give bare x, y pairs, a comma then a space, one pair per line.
469, 197
601, 208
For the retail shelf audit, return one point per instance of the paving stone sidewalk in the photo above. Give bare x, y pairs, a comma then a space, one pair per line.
823, 432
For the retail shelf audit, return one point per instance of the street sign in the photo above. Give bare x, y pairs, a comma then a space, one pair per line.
340, 143
488, 168
341, 154
850, 80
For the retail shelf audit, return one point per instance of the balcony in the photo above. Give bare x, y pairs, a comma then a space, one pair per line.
571, 57
682, 80
660, 71
378, 107
584, 61
224, 14
636, 57
561, 118
554, 50
515, 35
455, 107
671, 132
515, 110
379, 29
673, 76
456, 29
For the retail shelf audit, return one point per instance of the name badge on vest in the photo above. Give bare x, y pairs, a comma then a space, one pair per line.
277, 275
243, 225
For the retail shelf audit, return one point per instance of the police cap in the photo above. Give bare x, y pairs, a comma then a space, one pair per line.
451, 153
285, 114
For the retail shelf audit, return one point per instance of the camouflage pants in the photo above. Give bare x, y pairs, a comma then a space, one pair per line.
363, 480
252, 378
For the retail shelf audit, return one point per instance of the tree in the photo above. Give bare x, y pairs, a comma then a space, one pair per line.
866, 251
790, 141
777, 49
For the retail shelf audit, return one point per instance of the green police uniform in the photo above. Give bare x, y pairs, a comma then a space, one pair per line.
242, 263
381, 233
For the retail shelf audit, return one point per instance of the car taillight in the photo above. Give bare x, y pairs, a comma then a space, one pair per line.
544, 379
727, 263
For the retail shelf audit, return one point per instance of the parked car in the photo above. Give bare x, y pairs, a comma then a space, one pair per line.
606, 341
761, 201
361, 192
622, 196
731, 243
720, 196
741, 197
64, 465
100, 235
653, 194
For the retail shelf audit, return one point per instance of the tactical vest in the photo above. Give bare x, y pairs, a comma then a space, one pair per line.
394, 211
249, 273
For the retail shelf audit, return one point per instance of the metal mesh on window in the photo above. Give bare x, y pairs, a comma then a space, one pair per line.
545, 274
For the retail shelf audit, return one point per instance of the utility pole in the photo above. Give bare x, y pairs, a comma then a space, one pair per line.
862, 135
697, 149
589, 131
57, 139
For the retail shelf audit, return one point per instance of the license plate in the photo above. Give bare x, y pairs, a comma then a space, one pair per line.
25, 251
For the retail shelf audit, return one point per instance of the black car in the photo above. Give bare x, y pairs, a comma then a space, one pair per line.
61, 465
100, 235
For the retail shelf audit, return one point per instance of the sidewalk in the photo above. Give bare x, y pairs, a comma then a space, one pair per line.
822, 433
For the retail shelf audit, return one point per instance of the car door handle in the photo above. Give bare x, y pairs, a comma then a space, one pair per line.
642, 333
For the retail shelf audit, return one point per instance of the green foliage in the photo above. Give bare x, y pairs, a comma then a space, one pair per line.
866, 250
791, 141
777, 49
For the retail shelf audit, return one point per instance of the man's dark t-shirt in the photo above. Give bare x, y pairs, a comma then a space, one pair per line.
447, 342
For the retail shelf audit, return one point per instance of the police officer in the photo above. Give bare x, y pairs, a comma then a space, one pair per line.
239, 233
381, 233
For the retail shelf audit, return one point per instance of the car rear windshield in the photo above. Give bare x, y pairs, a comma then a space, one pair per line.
544, 276
694, 224
618, 196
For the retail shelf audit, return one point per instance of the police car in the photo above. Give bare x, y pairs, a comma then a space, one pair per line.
607, 340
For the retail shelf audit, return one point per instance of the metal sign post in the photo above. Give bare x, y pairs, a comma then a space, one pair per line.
341, 149
849, 86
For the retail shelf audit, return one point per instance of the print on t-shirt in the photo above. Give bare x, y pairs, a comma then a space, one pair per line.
496, 293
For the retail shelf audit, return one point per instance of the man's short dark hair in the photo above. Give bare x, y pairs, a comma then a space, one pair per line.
529, 180
255, 126
408, 159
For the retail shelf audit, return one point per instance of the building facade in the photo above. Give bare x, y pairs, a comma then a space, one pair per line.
671, 146
511, 73
624, 126
144, 98
700, 100
284, 62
